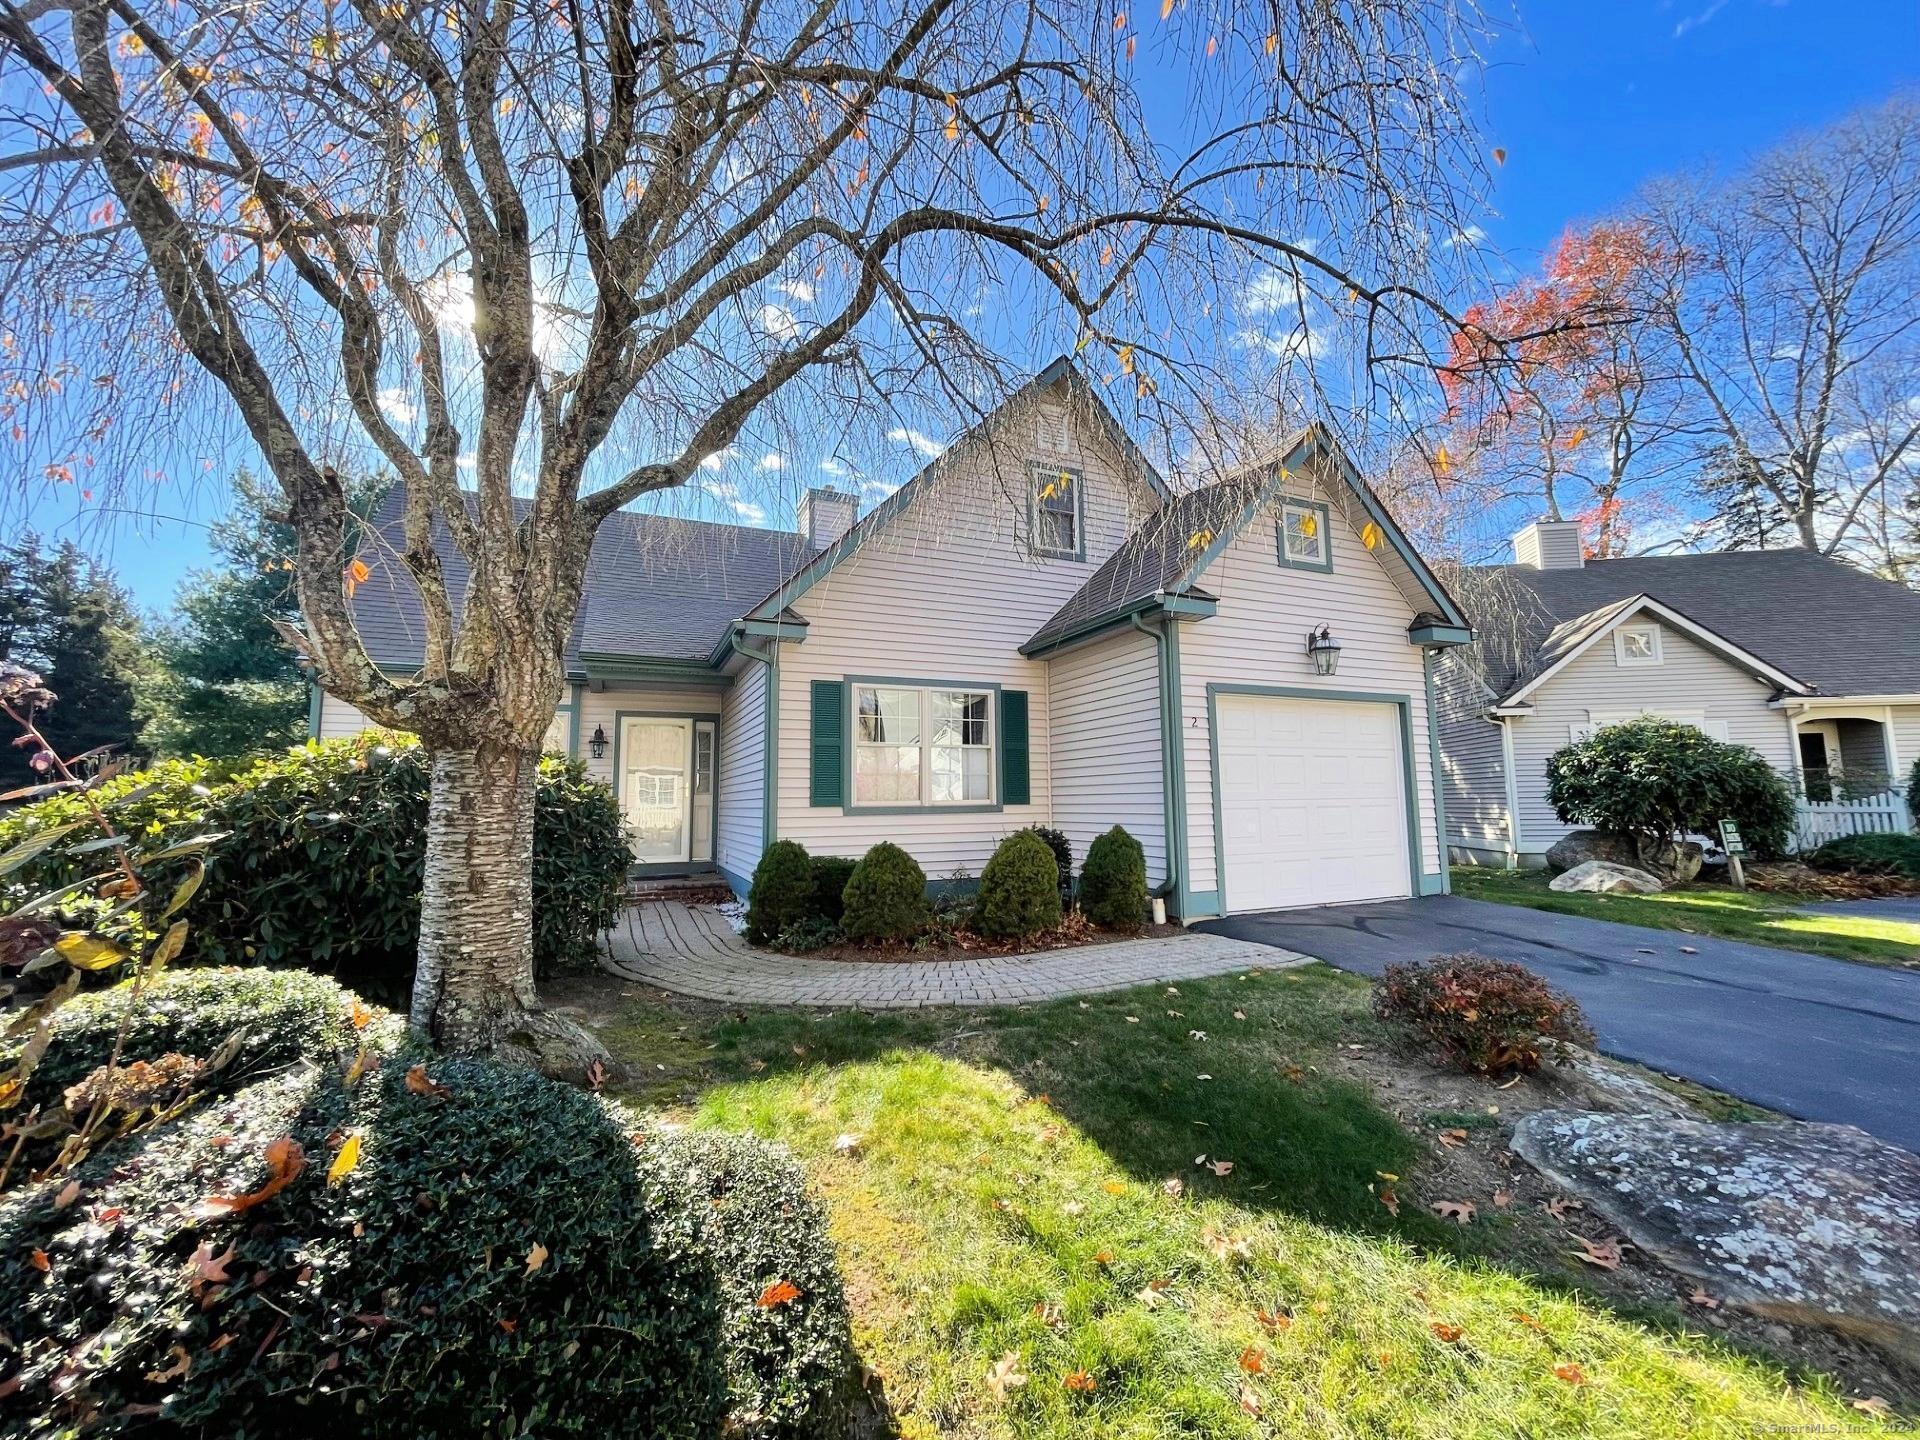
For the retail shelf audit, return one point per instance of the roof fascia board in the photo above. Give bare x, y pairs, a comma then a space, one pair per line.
1439, 636
1812, 699
1709, 639
1194, 607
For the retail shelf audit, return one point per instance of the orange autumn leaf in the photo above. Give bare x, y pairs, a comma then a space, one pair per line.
1272, 41
1080, 1382
1213, 46
359, 1016
953, 127
1132, 41
1499, 155
1445, 1332
1253, 1360
1166, 8
1273, 1320
780, 1292
1571, 1373
419, 1084
1114, 1187
285, 1160
38, 1259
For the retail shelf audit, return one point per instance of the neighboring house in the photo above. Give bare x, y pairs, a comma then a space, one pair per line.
1809, 661
1030, 631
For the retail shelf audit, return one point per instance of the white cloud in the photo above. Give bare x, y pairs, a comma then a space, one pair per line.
1471, 237
778, 321
1300, 342
836, 467
1694, 22
877, 489
773, 460
719, 459
730, 496
1272, 291
796, 290
920, 441
395, 405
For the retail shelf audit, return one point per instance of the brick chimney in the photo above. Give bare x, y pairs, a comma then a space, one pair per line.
1549, 545
825, 515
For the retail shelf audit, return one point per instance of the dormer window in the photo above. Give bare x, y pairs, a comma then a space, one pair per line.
1636, 645
1056, 513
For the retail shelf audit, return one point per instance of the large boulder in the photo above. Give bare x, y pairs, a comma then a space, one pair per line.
1818, 1224
1680, 862
1603, 877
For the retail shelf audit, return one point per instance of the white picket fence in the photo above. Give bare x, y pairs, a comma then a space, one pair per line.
1819, 821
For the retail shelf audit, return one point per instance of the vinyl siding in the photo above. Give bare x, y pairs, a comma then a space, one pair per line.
1104, 740
339, 719
1689, 678
1473, 770
604, 707
741, 797
1906, 739
945, 591
1258, 637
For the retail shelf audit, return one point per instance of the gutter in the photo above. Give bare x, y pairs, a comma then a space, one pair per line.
1174, 822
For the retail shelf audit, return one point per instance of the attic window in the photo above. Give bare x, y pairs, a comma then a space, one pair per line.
1056, 513
1636, 645
1304, 541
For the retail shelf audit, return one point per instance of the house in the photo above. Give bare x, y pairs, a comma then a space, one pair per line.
1033, 630
1814, 664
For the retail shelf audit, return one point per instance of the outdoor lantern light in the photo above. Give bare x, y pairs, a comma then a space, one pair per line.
597, 742
1324, 649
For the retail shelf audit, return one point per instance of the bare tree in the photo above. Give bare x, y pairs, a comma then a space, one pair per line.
1792, 312
538, 258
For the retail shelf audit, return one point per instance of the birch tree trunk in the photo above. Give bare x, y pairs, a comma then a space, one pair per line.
473, 986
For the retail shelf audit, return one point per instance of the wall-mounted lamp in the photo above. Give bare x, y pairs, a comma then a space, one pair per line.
597, 742
1324, 650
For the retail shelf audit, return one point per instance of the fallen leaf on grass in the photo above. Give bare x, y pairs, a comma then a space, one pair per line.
1239, 1014
1702, 1299
1222, 1168
1601, 1254
1114, 1187
1226, 1247
597, 1076
1571, 1373
1448, 1334
1072, 1207
780, 1292
1050, 1313
1453, 1139
204, 1268
1461, 1212
345, 1161
285, 1160
1249, 1399
1390, 1200
536, 1257
1559, 1205
1528, 1321
1253, 1360
1103, 1258
1152, 1294
418, 1083
1080, 1382
1273, 1321
1005, 1375
1872, 1405
1502, 1199
847, 1143
1174, 1186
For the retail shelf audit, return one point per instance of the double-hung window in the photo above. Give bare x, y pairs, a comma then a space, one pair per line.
915, 746
1056, 516
1304, 542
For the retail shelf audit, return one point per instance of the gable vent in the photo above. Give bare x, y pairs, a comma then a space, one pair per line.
1051, 433
1549, 545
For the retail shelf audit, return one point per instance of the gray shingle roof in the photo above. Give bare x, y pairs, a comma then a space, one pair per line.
1151, 561
1819, 619
658, 587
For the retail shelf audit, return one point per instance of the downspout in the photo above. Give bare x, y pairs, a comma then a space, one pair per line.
1173, 823
769, 735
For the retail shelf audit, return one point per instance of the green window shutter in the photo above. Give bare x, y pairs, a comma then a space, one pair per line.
1015, 784
827, 765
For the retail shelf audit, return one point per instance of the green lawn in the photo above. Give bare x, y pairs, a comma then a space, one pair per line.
997, 1183
1731, 914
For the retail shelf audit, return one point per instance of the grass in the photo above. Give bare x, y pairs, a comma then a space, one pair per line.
1007, 1195
1761, 919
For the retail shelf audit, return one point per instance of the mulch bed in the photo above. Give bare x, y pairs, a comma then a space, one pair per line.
1790, 877
1076, 930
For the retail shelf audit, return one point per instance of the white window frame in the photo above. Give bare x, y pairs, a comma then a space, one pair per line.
1600, 719
1039, 476
1620, 654
925, 799
1323, 542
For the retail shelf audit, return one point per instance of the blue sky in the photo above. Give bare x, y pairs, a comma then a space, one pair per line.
1589, 99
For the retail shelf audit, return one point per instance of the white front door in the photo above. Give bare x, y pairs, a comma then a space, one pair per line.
656, 768
1313, 806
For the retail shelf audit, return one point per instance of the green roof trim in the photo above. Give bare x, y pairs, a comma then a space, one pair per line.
1439, 635
1199, 605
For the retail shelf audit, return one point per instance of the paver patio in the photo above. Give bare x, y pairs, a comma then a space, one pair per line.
692, 950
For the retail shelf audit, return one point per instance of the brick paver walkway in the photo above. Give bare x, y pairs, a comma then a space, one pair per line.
694, 951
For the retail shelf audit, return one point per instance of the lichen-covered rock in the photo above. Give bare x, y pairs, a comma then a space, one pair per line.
1818, 1224
1680, 862
1603, 877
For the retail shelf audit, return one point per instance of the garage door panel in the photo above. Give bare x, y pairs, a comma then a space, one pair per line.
1312, 799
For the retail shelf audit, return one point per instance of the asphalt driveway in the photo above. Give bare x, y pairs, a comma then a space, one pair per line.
1817, 1038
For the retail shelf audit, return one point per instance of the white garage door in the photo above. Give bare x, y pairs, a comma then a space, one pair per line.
1313, 804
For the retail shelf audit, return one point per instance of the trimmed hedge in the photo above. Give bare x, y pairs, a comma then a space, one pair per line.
886, 896
511, 1257
1886, 854
830, 876
1485, 1016
1654, 780
1062, 848
1113, 882
321, 863
782, 891
286, 1016
1019, 889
